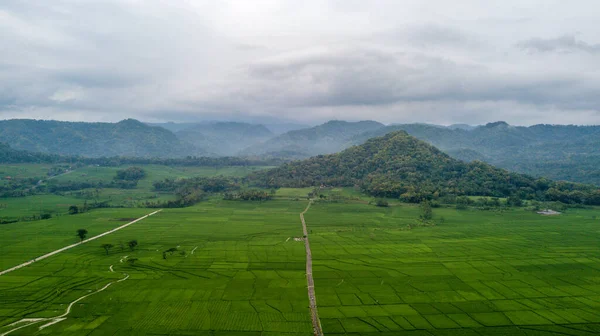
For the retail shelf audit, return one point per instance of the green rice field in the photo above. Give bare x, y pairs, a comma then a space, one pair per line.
376, 271
245, 276
475, 273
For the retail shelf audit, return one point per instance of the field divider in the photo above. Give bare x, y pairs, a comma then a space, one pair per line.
77, 244
314, 311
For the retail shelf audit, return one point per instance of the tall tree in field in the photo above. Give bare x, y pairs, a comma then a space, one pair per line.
73, 210
82, 233
132, 244
426, 212
107, 247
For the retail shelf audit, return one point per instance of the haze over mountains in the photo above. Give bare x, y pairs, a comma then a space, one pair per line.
562, 152
126, 138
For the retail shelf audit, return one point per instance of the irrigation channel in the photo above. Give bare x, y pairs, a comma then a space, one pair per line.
76, 244
314, 312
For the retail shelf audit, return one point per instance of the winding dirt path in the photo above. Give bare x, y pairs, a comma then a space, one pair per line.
26, 322
76, 244
314, 312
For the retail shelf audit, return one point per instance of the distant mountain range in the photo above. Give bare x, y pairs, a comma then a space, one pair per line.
329, 137
125, 138
556, 151
561, 152
224, 138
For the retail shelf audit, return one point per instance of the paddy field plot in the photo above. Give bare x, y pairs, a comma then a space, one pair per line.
23, 241
474, 273
243, 277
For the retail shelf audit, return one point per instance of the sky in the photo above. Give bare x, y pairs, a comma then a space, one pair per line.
521, 61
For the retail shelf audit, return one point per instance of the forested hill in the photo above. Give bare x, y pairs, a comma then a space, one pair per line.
10, 155
224, 138
125, 138
399, 165
330, 137
561, 152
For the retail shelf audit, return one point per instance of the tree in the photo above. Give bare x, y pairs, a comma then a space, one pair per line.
132, 261
107, 247
82, 233
73, 210
132, 244
426, 211
382, 203
46, 216
514, 200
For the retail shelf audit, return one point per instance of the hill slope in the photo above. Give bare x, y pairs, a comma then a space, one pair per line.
224, 138
125, 138
10, 155
399, 165
330, 137
562, 152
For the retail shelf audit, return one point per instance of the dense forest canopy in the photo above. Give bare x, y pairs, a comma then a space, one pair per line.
559, 152
125, 138
399, 165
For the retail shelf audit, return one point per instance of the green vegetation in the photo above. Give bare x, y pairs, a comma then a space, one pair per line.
330, 137
131, 174
376, 270
82, 233
477, 273
125, 138
240, 274
559, 152
400, 166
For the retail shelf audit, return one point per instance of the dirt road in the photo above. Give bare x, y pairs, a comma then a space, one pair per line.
314, 312
76, 244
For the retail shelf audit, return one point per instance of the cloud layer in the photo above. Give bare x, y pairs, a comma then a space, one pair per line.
311, 61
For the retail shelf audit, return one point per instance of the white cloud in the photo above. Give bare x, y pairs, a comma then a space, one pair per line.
430, 61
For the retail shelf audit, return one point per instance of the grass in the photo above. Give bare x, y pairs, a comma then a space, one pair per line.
376, 272
23, 241
244, 276
478, 271
17, 207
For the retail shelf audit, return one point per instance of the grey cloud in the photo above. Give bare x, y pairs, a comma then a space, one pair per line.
349, 77
110, 59
563, 44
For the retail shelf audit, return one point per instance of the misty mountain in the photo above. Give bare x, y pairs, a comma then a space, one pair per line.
224, 138
10, 155
280, 128
330, 137
125, 138
400, 165
561, 152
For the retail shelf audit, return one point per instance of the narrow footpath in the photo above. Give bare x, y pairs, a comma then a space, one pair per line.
76, 244
314, 312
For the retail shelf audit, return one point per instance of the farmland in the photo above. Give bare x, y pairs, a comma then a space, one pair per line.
234, 268
239, 273
57, 204
474, 273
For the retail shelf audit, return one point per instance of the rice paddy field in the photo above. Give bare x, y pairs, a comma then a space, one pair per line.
474, 273
241, 272
17, 207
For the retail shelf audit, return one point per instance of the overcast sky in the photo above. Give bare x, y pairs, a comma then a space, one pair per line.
394, 61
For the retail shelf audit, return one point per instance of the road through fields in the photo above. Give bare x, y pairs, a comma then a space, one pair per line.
76, 244
314, 312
